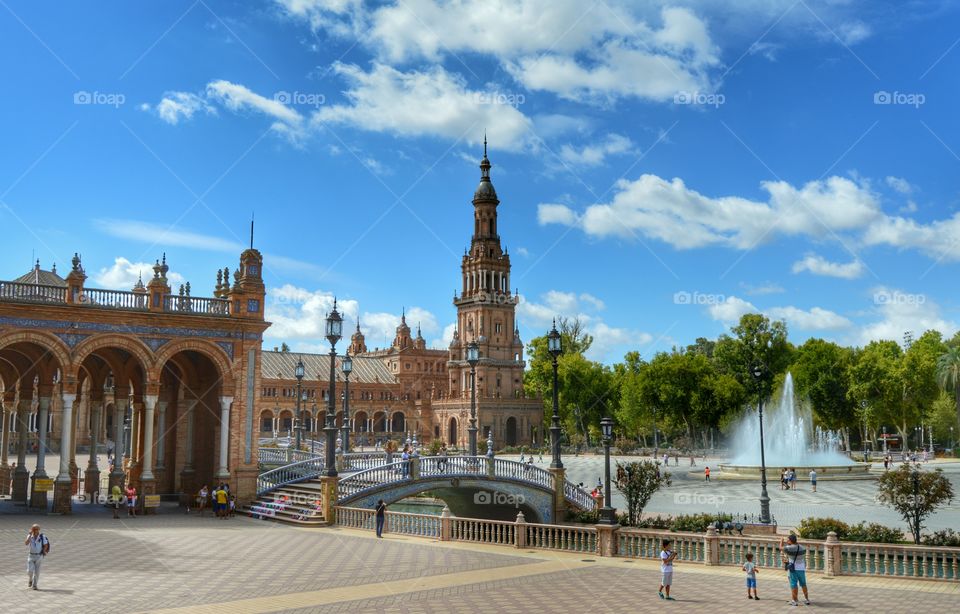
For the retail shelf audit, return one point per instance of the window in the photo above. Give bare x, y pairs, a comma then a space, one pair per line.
253, 305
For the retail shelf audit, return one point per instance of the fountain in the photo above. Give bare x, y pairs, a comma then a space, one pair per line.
790, 441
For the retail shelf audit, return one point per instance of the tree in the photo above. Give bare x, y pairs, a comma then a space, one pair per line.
915, 494
942, 418
920, 373
948, 373
284, 347
756, 341
876, 376
638, 482
820, 374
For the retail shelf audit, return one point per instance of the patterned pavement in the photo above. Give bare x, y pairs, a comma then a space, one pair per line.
242, 565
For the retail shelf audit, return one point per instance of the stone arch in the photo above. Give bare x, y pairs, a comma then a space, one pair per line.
265, 418
510, 431
361, 422
452, 433
112, 340
398, 422
51, 343
213, 352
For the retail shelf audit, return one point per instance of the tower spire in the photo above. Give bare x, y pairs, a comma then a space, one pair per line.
251, 229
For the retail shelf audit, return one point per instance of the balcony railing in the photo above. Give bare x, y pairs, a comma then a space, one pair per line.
114, 299
197, 305
32, 293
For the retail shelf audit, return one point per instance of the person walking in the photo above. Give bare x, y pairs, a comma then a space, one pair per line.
706, 474
221, 495
751, 568
793, 558
202, 499
405, 465
813, 480
381, 517
131, 501
116, 497
37, 547
442, 461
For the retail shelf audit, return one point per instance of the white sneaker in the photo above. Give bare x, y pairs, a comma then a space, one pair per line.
791, 602
806, 602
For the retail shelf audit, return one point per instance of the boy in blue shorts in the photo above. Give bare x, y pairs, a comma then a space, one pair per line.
751, 570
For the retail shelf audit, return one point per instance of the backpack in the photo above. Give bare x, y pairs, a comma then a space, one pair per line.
44, 544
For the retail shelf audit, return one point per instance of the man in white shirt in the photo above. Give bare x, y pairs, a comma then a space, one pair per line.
813, 479
793, 555
37, 546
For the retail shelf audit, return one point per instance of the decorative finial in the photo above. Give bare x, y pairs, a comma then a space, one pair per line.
53, 269
251, 230
484, 143
187, 288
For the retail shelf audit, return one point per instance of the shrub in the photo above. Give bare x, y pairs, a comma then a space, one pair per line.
435, 447
817, 528
626, 446
946, 537
697, 523
873, 532
590, 517
657, 522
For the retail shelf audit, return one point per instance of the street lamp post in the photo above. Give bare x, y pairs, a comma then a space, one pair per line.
608, 515
313, 430
298, 372
473, 357
656, 441
863, 407
952, 445
334, 331
884, 440
347, 366
764, 497
554, 346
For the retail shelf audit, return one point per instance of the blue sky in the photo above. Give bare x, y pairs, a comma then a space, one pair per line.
663, 167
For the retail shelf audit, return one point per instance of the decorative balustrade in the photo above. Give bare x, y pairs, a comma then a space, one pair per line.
369, 479
196, 305
359, 461
499, 532
418, 525
523, 472
32, 293
288, 474
646, 544
570, 538
285, 456
434, 466
869, 559
114, 299
578, 496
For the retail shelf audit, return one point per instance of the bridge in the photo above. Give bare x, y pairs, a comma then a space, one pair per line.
471, 486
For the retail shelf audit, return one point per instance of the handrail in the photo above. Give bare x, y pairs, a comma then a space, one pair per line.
32, 293
114, 299
578, 496
288, 474
196, 304
285, 456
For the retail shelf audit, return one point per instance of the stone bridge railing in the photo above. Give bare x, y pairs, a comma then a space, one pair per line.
829, 558
427, 467
288, 474
285, 456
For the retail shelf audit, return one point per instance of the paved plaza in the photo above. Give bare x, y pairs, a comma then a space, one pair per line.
175, 562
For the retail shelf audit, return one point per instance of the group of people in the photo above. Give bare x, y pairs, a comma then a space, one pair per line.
120, 497
788, 479
223, 503
792, 554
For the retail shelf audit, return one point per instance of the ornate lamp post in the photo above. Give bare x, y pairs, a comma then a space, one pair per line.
608, 515
884, 439
298, 427
313, 430
347, 365
334, 332
764, 497
473, 357
656, 441
555, 348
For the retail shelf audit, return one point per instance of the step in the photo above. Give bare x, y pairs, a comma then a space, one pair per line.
285, 516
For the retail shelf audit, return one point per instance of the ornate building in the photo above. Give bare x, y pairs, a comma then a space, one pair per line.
183, 383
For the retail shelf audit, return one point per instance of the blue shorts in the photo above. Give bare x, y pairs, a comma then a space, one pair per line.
798, 577
751, 583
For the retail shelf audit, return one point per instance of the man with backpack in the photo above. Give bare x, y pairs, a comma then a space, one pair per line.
795, 564
37, 547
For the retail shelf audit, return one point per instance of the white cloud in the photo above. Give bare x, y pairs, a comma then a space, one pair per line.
597, 304
432, 102
733, 308
523, 251
175, 106
853, 32
899, 184
767, 288
445, 338
611, 343
818, 265
548, 213
123, 275
595, 154
899, 312
166, 235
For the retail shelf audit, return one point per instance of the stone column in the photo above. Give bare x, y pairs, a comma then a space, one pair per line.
39, 499
119, 412
63, 489
711, 547
91, 477
5, 416
559, 500
74, 438
607, 538
187, 480
832, 563
148, 484
521, 531
21, 477
328, 489
159, 470
445, 524
223, 471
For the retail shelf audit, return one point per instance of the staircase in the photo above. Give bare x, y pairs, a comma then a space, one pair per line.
297, 504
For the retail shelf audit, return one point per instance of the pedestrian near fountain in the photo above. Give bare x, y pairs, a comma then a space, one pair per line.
813, 479
706, 474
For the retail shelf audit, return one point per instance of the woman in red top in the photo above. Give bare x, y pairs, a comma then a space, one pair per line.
131, 501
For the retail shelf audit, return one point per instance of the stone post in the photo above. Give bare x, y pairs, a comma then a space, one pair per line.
63, 488
832, 565
559, 500
187, 474
414, 466
91, 477
119, 413
21, 477
445, 524
5, 418
224, 472
160, 470
521, 531
39, 499
74, 470
328, 489
607, 538
711, 547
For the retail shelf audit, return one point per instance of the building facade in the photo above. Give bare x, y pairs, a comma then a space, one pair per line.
181, 391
